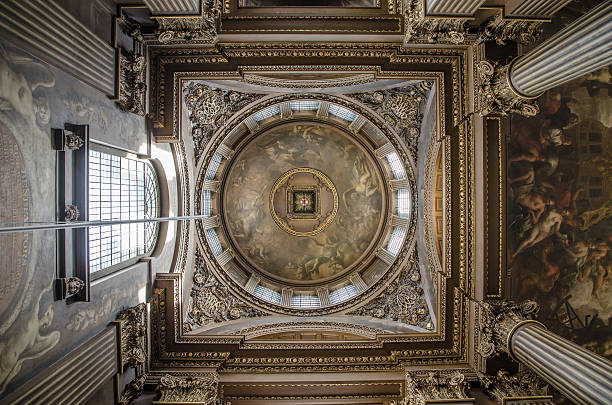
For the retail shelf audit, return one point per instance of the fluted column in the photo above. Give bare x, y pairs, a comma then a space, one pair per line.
453, 7
580, 48
580, 375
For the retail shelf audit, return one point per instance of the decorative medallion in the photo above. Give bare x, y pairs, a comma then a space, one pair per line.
303, 201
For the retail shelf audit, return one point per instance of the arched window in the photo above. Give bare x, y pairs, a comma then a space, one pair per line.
120, 187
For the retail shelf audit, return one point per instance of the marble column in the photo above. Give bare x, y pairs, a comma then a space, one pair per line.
580, 375
580, 48
453, 7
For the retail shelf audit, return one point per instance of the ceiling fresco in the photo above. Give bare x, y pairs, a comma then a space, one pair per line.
560, 210
349, 233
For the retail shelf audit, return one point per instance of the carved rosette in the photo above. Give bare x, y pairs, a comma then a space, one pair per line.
210, 108
431, 29
132, 84
402, 301
496, 95
133, 330
71, 213
499, 321
200, 390
400, 107
504, 385
74, 142
503, 30
202, 28
212, 302
435, 386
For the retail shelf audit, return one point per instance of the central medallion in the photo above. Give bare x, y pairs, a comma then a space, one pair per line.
303, 201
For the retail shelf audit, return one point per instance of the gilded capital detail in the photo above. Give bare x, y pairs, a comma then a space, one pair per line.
132, 83
201, 29
501, 30
506, 385
201, 390
133, 331
496, 94
500, 321
435, 386
432, 29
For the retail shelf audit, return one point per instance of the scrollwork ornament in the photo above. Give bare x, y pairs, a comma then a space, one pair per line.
506, 385
496, 95
431, 29
498, 322
212, 302
130, 27
74, 285
201, 29
435, 386
200, 390
133, 330
74, 141
402, 301
133, 390
132, 84
210, 108
502, 30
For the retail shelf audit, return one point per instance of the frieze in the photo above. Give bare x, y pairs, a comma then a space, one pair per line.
209, 109
212, 302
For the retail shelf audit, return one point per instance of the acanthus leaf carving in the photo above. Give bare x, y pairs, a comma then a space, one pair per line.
133, 389
210, 108
506, 385
133, 330
498, 321
402, 301
401, 107
201, 390
432, 29
501, 30
440, 385
211, 301
496, 95
132, 83
201, 28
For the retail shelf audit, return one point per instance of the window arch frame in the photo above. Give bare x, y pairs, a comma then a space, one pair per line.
150, 171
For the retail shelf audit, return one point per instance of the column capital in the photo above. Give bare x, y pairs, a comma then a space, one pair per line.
520, 385
501, 30
132, 329
498, 323
202, 389
497, 96
432, 29
439, 385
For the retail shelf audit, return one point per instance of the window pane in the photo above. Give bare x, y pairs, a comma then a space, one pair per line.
120, 188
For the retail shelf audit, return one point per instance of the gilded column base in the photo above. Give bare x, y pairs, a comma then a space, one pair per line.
497, 96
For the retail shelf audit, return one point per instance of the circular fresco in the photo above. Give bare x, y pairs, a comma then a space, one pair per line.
303, 202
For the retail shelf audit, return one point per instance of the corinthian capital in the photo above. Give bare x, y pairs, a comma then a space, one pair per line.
499, 321
506, 385
200, 390
133, 330
496, 94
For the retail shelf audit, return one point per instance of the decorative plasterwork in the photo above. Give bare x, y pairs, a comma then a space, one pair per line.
129, 26
211, 301
505, 385
496, 94
432, 29
440, 385
352, 80
201, 29
201, 390
209, 109
402, 301
133, 390
132, 83
132, 334
502, 30
499, 321
401, 108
